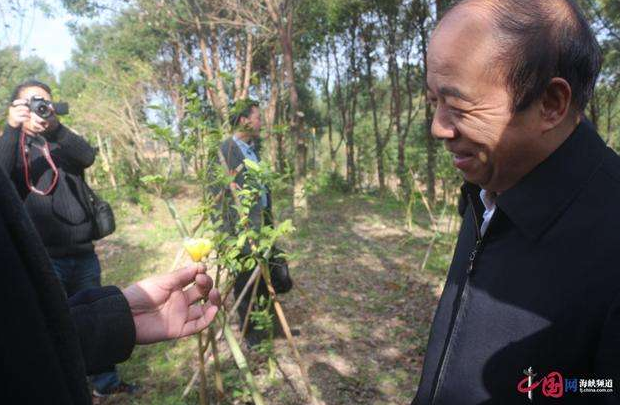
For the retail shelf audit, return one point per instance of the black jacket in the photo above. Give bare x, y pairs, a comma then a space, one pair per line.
541, 290
49, 345
259, 215
60, 217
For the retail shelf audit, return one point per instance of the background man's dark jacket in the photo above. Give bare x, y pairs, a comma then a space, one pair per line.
48, 344
258, 217
61, 217
234, 160
544, 286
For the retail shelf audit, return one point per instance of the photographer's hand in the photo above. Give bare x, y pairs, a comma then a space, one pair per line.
163, 310
18, 113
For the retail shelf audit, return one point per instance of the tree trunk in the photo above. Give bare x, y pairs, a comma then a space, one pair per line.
107, 167
212, 73
594, 110
176, 84
215, 60
350, 142
243, 66
239, 64
328, 99
368, 46
270, 112
285, 31
248, 65
394, 73
431, 145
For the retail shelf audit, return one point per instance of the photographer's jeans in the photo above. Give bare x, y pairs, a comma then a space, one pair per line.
78, 273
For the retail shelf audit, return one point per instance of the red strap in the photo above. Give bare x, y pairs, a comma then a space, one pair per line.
46, 153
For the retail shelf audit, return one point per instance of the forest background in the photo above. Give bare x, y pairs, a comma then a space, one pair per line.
346, 130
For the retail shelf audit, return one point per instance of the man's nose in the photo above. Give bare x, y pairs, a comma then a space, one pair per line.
442, 127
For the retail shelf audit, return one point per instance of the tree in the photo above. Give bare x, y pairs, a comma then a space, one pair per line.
14, 70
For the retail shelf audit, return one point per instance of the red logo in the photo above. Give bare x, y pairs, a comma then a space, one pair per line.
552, 385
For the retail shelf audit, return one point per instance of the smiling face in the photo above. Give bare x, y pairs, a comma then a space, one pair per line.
491, 146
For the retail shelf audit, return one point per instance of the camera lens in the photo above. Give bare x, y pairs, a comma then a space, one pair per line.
43, 110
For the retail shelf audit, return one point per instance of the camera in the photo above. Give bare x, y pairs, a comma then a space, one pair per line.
43, 108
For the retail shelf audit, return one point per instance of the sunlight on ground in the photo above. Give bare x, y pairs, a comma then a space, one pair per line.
360, 306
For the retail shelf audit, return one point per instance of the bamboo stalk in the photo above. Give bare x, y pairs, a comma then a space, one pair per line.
203, 378
250, 282
177, 257
177, 219
205, 350
241, 362
287, 332
246, 320
219, 383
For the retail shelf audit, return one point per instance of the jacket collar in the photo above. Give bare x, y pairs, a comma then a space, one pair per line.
546, 192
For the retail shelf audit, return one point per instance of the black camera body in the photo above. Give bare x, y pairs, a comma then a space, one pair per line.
44, 108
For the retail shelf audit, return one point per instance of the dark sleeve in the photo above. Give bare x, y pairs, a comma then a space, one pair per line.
8, 148
105, 327
74, 149
607, 365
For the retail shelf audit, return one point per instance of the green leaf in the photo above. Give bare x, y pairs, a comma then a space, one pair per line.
252, 165
153, 179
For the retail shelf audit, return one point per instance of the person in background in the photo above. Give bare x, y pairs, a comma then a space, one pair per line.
53, 191
245, 120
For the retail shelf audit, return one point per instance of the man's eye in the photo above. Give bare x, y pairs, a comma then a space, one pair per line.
456, 111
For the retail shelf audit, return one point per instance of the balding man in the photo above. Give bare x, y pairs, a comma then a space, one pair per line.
531, 306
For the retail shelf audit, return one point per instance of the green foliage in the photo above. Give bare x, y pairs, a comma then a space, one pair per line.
14, 70
263, 319
328, 182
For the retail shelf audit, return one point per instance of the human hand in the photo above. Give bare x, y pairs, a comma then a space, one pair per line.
39, 125
19, 113
163, 310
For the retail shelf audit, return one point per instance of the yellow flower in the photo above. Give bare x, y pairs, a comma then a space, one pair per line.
198, 248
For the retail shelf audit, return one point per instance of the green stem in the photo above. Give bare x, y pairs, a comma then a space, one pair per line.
177, 218
242, 363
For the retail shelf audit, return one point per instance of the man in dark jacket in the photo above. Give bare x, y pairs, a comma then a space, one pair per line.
49, 344
60, 215
245, 120
531, 307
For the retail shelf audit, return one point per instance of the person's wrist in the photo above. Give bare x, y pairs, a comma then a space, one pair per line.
129, 294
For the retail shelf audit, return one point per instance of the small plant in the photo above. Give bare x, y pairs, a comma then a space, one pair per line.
242, 249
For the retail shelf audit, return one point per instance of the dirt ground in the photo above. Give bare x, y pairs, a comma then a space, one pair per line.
361, 309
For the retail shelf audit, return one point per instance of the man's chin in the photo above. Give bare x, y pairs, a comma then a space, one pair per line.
478, 178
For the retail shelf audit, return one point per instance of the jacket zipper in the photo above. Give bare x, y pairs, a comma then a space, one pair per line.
479, 238
464, 293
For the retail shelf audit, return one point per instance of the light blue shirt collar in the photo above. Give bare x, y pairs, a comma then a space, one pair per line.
247, 149
250, 153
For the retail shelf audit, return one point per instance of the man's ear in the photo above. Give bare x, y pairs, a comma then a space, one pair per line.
555, 103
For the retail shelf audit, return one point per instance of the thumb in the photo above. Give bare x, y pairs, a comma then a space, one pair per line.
182, 277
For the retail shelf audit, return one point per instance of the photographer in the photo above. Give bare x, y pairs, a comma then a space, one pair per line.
46, 162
